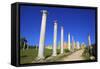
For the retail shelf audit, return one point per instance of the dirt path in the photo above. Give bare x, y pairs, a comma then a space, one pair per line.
74, 56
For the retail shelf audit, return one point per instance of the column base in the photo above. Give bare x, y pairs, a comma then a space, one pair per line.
38, 60
61, 53
92, 57
54, 54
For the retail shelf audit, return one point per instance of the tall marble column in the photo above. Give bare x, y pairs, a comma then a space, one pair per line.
73, 44
42, 35
82, 45
24, 46
78, 45
62, 39
69, 46
55, 39
90, 47
89, 40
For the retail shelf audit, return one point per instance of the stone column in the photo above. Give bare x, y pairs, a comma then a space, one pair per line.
73, 44
90, 46
24, 46
78, 45
62, 39
69, 47
89, 40
55, 39
42, 35
83, 45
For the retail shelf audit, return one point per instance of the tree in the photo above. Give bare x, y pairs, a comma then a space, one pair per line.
23, 43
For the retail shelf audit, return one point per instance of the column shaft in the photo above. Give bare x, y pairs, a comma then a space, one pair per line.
73, 44
69, 47
55, 39
78, 45
42, 35
89, 40
62, 39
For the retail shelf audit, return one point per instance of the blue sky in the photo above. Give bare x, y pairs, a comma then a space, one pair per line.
79, 22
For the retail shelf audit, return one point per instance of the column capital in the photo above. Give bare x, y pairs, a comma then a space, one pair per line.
61, 27
44, 11
69, 33
88, 35
55, 21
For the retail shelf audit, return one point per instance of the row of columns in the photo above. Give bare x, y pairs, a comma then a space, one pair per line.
42, 38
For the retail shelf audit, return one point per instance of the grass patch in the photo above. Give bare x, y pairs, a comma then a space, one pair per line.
27, 56
86, 54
